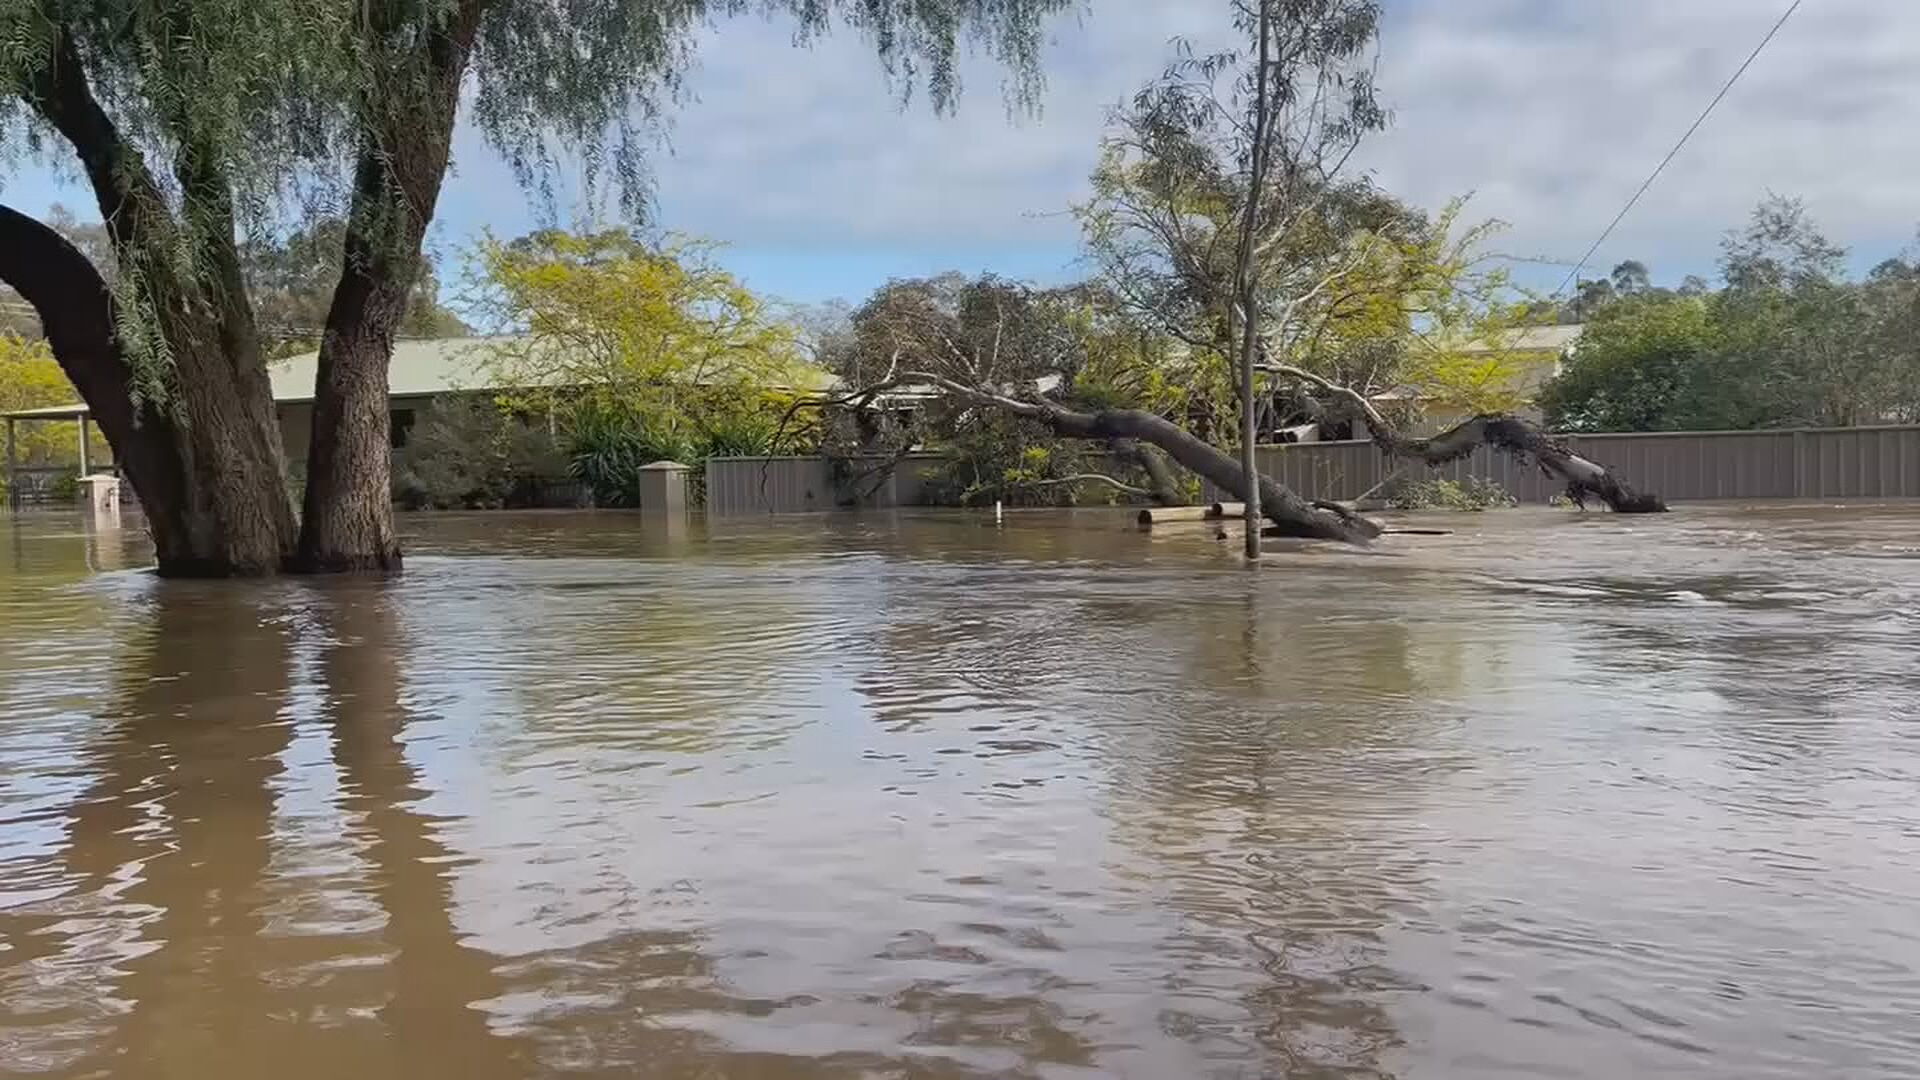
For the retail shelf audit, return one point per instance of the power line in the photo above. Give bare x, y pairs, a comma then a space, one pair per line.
1660, 168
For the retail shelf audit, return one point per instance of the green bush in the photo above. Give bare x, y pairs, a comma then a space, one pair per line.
466, 452
607, 448
1000, 458
1439, 493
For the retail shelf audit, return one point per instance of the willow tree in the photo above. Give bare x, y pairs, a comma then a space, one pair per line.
193, 120
586, 78
184, 118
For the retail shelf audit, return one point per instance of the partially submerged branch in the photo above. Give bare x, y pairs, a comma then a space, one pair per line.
1584, 479
1162, 488
1290, 514
1095, 478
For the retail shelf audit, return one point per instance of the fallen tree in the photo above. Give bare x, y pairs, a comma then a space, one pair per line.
1289, 514
1585, 480
1139, 436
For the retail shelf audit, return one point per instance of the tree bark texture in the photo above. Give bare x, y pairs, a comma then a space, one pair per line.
1162, 487
206, 463
348, 519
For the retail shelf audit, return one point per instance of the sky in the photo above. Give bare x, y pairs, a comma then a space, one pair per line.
1549, 113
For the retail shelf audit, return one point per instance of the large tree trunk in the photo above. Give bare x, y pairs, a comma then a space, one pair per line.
348, 523
204, 457
1162, 487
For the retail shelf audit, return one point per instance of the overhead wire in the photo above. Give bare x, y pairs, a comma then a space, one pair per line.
1574, 274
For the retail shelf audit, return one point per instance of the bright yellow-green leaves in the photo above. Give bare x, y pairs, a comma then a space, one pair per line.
655, 331
1359, 288
30, 379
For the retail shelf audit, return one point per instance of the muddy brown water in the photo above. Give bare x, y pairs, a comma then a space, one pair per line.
1552, 796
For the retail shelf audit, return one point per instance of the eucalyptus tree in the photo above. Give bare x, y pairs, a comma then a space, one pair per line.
194, 120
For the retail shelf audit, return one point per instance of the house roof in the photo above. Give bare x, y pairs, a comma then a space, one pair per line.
1529, 339
418, 369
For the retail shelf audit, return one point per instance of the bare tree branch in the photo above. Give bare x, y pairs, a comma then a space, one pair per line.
1101, 478
1585, 479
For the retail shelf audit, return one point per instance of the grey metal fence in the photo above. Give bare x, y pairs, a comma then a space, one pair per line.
788, 485
1823, 463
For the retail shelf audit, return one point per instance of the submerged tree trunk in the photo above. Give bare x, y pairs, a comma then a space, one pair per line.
1288, 513
189, 411
409, 115
348, 519
1584, 479
210, 487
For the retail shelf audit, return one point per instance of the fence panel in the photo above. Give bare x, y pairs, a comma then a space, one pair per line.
1685, 466
768, 485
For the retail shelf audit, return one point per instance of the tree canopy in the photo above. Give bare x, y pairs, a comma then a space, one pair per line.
1789, 340
291, 280
622, 318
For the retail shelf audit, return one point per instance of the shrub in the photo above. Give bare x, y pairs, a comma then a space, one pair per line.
1439, 493
465, 452
607, 447
1020, 462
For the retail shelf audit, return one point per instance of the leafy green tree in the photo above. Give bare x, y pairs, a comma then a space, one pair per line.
655, 332
638, 351
1635, 368
292, 278
1789, 341
1057, 344
1629, 278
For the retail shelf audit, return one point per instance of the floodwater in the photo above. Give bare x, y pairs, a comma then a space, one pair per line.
915, 796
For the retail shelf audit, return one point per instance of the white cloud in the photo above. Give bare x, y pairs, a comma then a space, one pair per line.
809, 148
1555, 121
1552, 114
1551, 111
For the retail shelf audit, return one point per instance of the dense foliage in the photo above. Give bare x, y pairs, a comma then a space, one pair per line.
465, 452
638, 351
1789, 340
